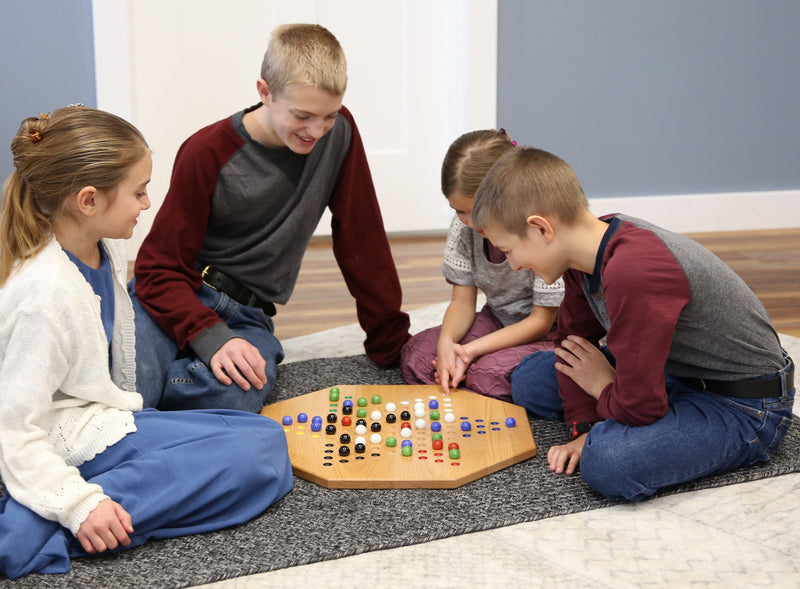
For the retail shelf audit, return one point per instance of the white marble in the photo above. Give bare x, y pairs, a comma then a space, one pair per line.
743, 535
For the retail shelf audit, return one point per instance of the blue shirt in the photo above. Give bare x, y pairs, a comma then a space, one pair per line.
102, 282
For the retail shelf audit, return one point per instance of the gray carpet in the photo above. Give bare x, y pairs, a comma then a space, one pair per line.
313, 523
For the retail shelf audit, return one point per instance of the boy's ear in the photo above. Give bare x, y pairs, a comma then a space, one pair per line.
541, 225
263, 89
87, 200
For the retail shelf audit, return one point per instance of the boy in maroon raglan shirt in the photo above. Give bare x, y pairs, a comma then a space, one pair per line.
245, 197
691, 379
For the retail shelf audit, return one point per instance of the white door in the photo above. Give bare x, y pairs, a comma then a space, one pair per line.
421, 72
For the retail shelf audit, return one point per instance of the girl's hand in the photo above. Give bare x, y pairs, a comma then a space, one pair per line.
462, 362
585, 364
565, 458
446, 366
106, 528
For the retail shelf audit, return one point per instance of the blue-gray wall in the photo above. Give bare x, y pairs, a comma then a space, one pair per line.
47, 61
648, 97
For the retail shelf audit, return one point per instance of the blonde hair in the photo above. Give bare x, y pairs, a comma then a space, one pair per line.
55, 156
470, 157
304, 54
524, 182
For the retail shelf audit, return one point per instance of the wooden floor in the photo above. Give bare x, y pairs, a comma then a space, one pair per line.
768, 261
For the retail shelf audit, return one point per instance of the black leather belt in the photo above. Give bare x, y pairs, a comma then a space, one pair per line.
235, 289
760, 388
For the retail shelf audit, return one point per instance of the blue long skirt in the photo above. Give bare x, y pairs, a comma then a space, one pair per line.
180, 473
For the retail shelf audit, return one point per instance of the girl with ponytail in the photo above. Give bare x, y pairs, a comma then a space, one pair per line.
84, 469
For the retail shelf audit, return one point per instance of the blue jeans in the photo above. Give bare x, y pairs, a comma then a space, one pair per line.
701, 434
179, 473
169, 379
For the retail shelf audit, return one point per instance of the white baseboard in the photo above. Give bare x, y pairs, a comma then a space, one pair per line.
700, 213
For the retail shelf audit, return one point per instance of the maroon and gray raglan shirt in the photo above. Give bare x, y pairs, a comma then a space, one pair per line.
250, 211
665, 305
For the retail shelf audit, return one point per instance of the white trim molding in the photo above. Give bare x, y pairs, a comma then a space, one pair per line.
700, 213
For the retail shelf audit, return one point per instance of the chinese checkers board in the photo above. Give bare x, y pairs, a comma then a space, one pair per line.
400, 436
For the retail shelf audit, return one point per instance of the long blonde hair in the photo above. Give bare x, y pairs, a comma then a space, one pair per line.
54, 157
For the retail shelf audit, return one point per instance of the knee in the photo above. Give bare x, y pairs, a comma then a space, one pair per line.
607, 470
191, 384
416, 359
247, 401
261, 450
270, 439
251, 401
487, 377
272, 464
534, 385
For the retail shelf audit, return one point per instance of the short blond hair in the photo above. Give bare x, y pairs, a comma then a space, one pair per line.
527, 181
306, 55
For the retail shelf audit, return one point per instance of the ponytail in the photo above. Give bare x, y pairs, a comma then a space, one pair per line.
24, 229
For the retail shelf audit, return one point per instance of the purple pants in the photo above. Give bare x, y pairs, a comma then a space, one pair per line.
488, 375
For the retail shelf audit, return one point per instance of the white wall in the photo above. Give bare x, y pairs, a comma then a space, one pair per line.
420, 74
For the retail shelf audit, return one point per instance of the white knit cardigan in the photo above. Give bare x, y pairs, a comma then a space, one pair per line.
59, 405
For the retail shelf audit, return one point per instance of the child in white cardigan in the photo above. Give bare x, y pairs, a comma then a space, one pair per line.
84, 469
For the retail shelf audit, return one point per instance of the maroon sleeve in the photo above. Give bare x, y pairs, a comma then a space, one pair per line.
645, 291
575, 317
362, 251
166, 277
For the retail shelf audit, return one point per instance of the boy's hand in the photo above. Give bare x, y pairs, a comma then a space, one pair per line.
106, 528
239, 361
565, 458
585, 364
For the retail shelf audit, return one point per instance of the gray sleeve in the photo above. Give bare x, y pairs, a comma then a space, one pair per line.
547, 295
208, 342
457, 264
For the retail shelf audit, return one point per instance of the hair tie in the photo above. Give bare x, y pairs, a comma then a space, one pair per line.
503, 132
44, 116
35, 135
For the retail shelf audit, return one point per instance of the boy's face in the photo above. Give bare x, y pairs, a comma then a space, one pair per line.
299, 118
535, 251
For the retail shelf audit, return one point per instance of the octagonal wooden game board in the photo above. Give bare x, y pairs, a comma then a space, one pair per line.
489, 434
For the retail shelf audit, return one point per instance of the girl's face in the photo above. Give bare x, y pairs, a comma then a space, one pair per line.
126, 201
462, 205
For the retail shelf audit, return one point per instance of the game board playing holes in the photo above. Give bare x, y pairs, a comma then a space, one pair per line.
400, 436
